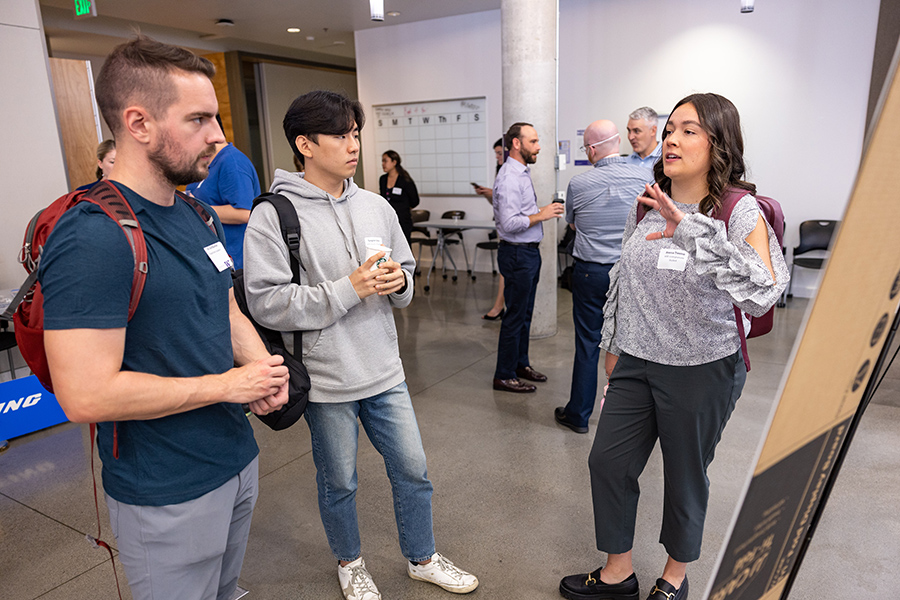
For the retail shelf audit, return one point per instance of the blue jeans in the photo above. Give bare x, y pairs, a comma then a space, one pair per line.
390, 423
521, 269
590, 282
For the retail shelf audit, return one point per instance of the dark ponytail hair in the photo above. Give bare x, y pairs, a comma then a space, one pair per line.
720, 120
391, 154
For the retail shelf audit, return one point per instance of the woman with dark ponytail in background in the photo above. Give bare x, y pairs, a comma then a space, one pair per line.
399, 189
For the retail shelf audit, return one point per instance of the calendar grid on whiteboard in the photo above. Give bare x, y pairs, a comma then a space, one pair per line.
443, 144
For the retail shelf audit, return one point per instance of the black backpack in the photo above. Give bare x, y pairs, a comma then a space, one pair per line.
299, 383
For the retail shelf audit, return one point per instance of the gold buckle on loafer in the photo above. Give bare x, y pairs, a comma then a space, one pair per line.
668, 595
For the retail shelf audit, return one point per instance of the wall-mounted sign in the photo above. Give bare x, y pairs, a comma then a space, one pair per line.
85, 8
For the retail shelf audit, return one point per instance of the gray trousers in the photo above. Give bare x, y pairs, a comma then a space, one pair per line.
686, 408
189, 551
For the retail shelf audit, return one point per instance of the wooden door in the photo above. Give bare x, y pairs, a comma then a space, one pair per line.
73, 89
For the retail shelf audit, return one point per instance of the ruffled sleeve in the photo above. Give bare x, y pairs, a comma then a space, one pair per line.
732, 263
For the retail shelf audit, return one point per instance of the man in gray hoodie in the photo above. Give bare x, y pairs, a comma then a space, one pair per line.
343, 306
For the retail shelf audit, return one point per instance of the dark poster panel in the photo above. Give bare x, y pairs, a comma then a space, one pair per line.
774, 520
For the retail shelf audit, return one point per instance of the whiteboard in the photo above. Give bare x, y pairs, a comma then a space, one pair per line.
443, 144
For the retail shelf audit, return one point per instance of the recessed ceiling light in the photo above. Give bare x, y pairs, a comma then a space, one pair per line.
340, 43
393, 13
225, 23
293, 30
310, 38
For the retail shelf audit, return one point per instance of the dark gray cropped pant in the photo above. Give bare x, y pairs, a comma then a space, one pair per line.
686, 408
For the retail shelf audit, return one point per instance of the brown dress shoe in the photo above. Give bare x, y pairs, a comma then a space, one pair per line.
513, 385
530, 374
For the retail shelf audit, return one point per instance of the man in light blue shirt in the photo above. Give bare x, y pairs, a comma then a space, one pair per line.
642, 137
519, 227
597, 205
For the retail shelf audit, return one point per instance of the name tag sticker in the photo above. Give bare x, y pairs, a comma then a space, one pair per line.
373, 241
219, 257
397, 191
672, 259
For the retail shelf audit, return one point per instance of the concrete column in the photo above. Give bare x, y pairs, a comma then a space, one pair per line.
528, 30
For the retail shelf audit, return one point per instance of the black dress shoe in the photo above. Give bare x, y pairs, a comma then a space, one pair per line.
589, 587
663, 590
530, 374
499, 315
560, 414
513, 385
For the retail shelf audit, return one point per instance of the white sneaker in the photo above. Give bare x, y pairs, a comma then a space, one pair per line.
356, 583
443, 573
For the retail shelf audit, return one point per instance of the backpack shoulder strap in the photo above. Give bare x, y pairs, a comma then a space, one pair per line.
108, 197
729, 200
200, 209
290, 231
290, 228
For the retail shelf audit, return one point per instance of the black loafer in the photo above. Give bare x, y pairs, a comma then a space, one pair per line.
563, 419
663, 590
530, 374
589, 587
513, 385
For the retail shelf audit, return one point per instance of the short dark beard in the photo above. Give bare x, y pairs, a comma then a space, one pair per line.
178, 174
528, 157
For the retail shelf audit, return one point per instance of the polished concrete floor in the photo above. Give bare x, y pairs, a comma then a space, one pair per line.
512, 499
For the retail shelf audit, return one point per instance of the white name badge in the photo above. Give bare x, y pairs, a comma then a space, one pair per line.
373, 241
397, 191
219, 257
672, 259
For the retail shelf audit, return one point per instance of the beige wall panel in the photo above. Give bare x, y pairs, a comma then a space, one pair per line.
74, 104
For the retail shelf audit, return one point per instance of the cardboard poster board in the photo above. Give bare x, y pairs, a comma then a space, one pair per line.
844, 335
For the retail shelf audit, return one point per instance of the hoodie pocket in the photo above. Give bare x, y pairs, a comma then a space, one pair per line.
387, 320
311, 339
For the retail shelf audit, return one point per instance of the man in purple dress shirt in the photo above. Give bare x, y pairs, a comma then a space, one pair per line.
518, 221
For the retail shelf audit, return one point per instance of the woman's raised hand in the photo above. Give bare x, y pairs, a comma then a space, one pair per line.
654, 198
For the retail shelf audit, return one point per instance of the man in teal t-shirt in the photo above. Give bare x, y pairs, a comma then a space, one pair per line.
180, 464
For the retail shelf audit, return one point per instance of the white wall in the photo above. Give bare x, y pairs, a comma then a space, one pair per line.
31, 160
797, 71
455, 57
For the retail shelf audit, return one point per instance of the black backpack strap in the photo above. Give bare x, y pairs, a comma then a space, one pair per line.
290, 228
290, 232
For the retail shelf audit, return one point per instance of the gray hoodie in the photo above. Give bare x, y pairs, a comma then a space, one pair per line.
349, 345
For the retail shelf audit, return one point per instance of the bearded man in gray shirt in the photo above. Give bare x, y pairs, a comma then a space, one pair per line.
597, 205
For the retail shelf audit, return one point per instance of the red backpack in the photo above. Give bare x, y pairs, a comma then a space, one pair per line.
774, 216
27, 308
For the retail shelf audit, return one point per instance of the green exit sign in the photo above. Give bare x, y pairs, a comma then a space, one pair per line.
85, 8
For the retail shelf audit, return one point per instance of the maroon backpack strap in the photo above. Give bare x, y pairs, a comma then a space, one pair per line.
108, 197
641, 211
200, 209
729, 200
96, 541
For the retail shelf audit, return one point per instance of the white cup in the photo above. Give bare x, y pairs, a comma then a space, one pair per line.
373, 250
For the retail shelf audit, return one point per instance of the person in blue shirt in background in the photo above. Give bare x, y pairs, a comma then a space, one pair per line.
230, 188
